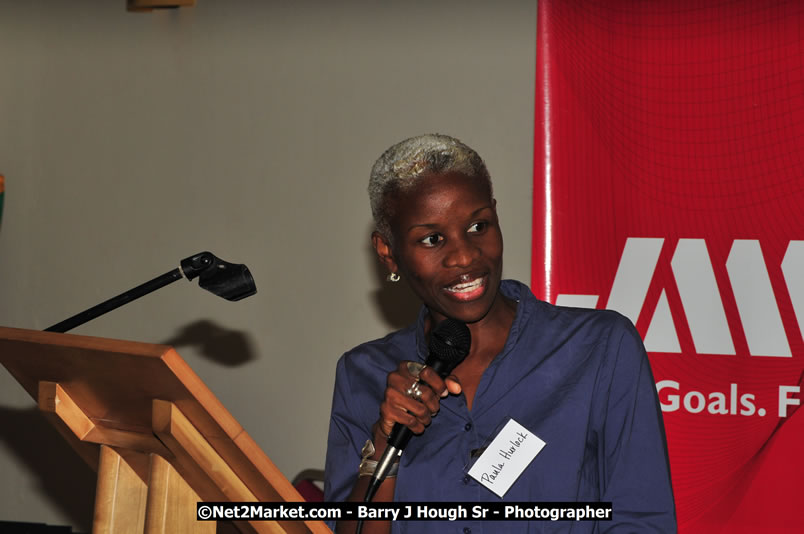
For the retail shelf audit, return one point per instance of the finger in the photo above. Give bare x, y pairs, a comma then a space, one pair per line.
431, 378
429, 399
428, 396
400, 383
417, 408
385, 425
453, 385
401, 380
409, 370
391, 414
414, 368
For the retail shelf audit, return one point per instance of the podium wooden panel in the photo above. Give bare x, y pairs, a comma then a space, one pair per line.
158, 437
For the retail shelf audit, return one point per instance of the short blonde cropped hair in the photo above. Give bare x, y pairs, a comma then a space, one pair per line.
402, 165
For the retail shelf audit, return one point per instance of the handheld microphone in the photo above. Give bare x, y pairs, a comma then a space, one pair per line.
449, 344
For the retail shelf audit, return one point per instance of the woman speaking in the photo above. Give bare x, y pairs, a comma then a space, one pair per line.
576, 382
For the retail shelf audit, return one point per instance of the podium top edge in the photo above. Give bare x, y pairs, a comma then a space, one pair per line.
40, 337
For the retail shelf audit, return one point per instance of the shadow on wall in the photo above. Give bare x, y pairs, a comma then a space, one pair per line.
214, 342
63, 478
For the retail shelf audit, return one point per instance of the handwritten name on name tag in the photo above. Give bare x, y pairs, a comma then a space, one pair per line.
506, 457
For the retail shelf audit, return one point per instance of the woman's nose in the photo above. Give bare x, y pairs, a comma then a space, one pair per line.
461, 253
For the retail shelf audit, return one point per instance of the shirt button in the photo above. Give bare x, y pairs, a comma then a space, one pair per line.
466, 479
467, 530
468, 427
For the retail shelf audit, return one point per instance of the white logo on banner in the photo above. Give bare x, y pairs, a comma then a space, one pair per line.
700, 297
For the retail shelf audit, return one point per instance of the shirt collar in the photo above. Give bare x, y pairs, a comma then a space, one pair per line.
512, 289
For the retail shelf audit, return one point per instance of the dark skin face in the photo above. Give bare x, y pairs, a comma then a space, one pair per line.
448, 247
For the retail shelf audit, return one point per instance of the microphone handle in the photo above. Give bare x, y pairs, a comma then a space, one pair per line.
400, 435
388, 458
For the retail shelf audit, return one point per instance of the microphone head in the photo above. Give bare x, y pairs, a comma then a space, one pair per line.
232, 281
450, 341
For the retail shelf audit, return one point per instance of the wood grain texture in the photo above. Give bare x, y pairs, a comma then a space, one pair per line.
59, 414
171, 505
54, 399
120, 497
113, 383
185, 442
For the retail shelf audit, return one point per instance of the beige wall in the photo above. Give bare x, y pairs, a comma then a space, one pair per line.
247, 128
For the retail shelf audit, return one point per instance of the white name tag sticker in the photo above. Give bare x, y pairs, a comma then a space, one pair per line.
506, 457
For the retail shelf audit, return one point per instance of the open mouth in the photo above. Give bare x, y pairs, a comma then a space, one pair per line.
468, 290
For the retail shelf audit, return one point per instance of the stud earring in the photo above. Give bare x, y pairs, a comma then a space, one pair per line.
393, 277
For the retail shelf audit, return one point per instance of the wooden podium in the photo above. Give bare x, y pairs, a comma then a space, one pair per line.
158, 438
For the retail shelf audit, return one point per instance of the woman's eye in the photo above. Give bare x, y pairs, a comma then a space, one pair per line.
478, 226
431, 240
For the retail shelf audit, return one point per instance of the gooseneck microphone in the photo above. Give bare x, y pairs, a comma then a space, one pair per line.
449, 344
232, 281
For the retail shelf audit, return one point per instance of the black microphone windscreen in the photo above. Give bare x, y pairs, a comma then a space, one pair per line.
450, 341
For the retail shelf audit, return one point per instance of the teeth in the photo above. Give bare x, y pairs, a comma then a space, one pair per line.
466, 287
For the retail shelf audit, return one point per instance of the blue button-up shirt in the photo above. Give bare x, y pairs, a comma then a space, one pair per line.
578, 379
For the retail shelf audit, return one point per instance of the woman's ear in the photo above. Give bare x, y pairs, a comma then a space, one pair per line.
383, 249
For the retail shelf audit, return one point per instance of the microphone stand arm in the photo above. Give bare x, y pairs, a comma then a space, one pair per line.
115, 302
230, 281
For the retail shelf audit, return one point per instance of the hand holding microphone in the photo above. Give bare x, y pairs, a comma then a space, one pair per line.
412, 397
412, 403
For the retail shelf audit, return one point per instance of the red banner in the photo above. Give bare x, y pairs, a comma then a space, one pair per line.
669, 185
